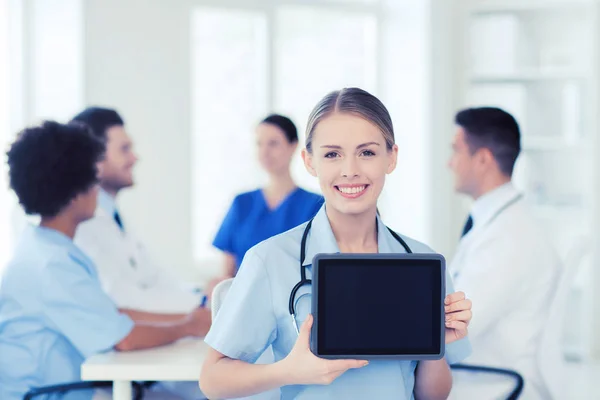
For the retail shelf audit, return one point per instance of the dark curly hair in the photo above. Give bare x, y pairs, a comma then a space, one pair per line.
49, 165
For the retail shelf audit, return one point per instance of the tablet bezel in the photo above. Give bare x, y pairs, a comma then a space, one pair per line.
402, 257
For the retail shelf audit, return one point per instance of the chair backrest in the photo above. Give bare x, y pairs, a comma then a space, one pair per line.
218, 296
551, 362
513, 394
65, 388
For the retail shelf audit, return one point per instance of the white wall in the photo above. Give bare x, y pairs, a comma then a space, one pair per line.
404, 85
449, 210
137, 60
419, 53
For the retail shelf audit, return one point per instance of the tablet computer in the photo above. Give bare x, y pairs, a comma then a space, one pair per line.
371, 306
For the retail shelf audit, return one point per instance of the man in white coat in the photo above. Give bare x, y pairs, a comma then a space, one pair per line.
127, 272
504, 262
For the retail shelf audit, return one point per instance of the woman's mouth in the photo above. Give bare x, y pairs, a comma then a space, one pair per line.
351, 191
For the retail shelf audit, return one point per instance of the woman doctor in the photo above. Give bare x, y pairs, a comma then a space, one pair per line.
350, 148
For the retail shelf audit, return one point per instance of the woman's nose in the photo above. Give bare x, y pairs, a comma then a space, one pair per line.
350, 167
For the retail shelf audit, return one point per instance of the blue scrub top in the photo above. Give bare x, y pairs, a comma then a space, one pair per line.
257, 305
53, 315
250, 220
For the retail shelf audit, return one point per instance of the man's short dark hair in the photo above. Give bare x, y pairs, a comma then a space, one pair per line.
494, 129
99, 120
49, 165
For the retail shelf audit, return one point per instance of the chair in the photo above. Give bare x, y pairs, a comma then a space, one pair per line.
218, 296
68, 387
519, 382
551, 359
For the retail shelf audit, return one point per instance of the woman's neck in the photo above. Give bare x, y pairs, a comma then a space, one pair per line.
281, 183
278, 188
354, 233
62, 224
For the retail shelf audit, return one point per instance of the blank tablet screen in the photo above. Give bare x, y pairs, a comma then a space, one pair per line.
379, 306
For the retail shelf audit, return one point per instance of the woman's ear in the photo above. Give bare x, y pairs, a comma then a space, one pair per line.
393, 154
308, 160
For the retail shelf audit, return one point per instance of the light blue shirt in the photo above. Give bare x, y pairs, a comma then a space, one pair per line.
53, 315
255, 315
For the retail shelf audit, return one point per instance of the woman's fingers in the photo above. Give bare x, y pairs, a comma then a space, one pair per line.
457, 325
343, 365
464, 316
304, 334
458, 306
454, 297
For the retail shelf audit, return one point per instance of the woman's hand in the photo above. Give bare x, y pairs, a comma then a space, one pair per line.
304, 368
458, 316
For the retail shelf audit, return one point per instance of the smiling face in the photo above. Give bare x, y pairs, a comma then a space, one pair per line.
350, 158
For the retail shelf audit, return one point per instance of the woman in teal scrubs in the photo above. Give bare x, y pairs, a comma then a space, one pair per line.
280, 206
350, 148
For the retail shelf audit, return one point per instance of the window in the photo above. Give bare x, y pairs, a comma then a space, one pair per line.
338, 51
5, 128
229, 98
41, 81
57, 59
11, 115
272, 63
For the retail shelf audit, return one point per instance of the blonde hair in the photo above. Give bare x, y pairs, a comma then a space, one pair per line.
353, 101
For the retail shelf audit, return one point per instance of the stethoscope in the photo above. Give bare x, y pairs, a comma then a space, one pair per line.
304, 281
503, 208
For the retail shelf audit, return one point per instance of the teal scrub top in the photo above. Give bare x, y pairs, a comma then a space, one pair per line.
249, 220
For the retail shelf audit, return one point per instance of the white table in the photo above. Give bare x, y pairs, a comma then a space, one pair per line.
180, 361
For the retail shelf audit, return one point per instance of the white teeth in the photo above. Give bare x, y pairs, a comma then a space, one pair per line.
351, 190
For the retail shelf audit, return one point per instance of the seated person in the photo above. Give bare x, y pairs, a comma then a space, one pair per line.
278, 207
126, 270
503, 259
53, 311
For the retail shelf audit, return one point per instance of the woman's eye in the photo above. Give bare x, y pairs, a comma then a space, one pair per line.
368, 153
332, 154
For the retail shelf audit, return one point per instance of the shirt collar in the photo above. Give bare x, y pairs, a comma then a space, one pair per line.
321, 238
54, 236
60, 239
106, 202
487, 205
